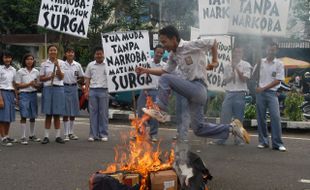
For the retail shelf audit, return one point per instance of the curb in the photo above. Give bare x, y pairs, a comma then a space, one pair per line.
128, 115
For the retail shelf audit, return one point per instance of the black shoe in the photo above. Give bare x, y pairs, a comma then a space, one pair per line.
34, 139
45, 140
59, 140
12, 140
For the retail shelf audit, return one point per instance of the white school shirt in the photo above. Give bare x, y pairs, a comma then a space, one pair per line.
24, 76
97, 74
237, 85
72, 72
7, 77
270, 72
47, 68
191, 59
161, 64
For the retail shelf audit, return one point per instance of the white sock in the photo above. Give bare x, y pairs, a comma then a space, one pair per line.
47, 132
71, 127
23, 127
31, 128
57, 133
66, 127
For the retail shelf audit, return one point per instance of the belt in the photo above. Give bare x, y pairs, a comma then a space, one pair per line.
7, 90
67, 84
55, 85
201, 81
29, 92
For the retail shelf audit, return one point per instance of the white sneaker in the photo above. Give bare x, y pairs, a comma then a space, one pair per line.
239, 131
262, 146
91, 139
159, 115
154, 138
104, 139
281, 148
66, 139
23, 141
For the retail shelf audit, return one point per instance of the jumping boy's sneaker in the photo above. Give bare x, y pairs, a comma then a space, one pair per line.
239, 131
157, 114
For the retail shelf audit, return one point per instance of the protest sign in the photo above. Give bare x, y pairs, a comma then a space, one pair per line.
67, 16
215, 76
259, 17
195, 33
124, 51
214, 16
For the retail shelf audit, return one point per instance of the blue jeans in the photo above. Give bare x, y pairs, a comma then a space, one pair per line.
182, 116
268, 100
196, 94
233, 107
99, 112
153, 123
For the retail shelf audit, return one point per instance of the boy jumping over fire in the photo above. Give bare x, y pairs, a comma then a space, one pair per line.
190, 57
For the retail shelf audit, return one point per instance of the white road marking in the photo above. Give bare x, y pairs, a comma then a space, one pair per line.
304, 181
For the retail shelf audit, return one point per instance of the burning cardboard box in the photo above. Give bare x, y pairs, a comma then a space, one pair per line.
166, 180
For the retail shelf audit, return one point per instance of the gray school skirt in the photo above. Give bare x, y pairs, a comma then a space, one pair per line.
53, 100
28, 104
7, 114
72, 106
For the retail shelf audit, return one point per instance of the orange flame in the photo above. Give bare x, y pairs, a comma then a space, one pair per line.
140, 156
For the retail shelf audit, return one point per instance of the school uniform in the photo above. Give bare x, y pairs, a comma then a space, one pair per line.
28, 103
98, 100
53, 101
268, 99
7, 77
71, 73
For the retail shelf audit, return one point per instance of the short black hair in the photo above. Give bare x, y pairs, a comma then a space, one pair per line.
69, 49
170, 31
24, 60
158, 46
52, 45
5, 53
98, 49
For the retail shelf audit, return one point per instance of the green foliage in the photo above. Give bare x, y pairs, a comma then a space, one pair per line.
292, 103
301, 9
214, 105
250, 111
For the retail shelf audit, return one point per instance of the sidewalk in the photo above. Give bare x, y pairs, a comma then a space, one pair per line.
125, 115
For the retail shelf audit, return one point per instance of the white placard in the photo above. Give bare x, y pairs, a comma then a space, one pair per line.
215, 77
214, 16
66, 16
259, 17
195, 33
124, 51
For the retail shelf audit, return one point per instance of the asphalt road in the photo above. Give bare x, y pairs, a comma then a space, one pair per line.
68, 166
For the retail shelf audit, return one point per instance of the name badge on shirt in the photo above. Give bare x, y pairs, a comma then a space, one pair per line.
188, 60
274, 74
76, 73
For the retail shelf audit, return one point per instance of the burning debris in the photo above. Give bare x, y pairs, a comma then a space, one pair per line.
138, 165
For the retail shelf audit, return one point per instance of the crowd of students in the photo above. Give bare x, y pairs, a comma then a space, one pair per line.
59, 82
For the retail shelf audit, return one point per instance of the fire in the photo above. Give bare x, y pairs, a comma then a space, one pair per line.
139, 156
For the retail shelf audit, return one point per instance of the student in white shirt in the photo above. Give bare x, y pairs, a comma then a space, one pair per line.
271, 73
190, 57
235, 75
73, 73
98, 97
156, 63
27, 81
53, 102
7, 90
